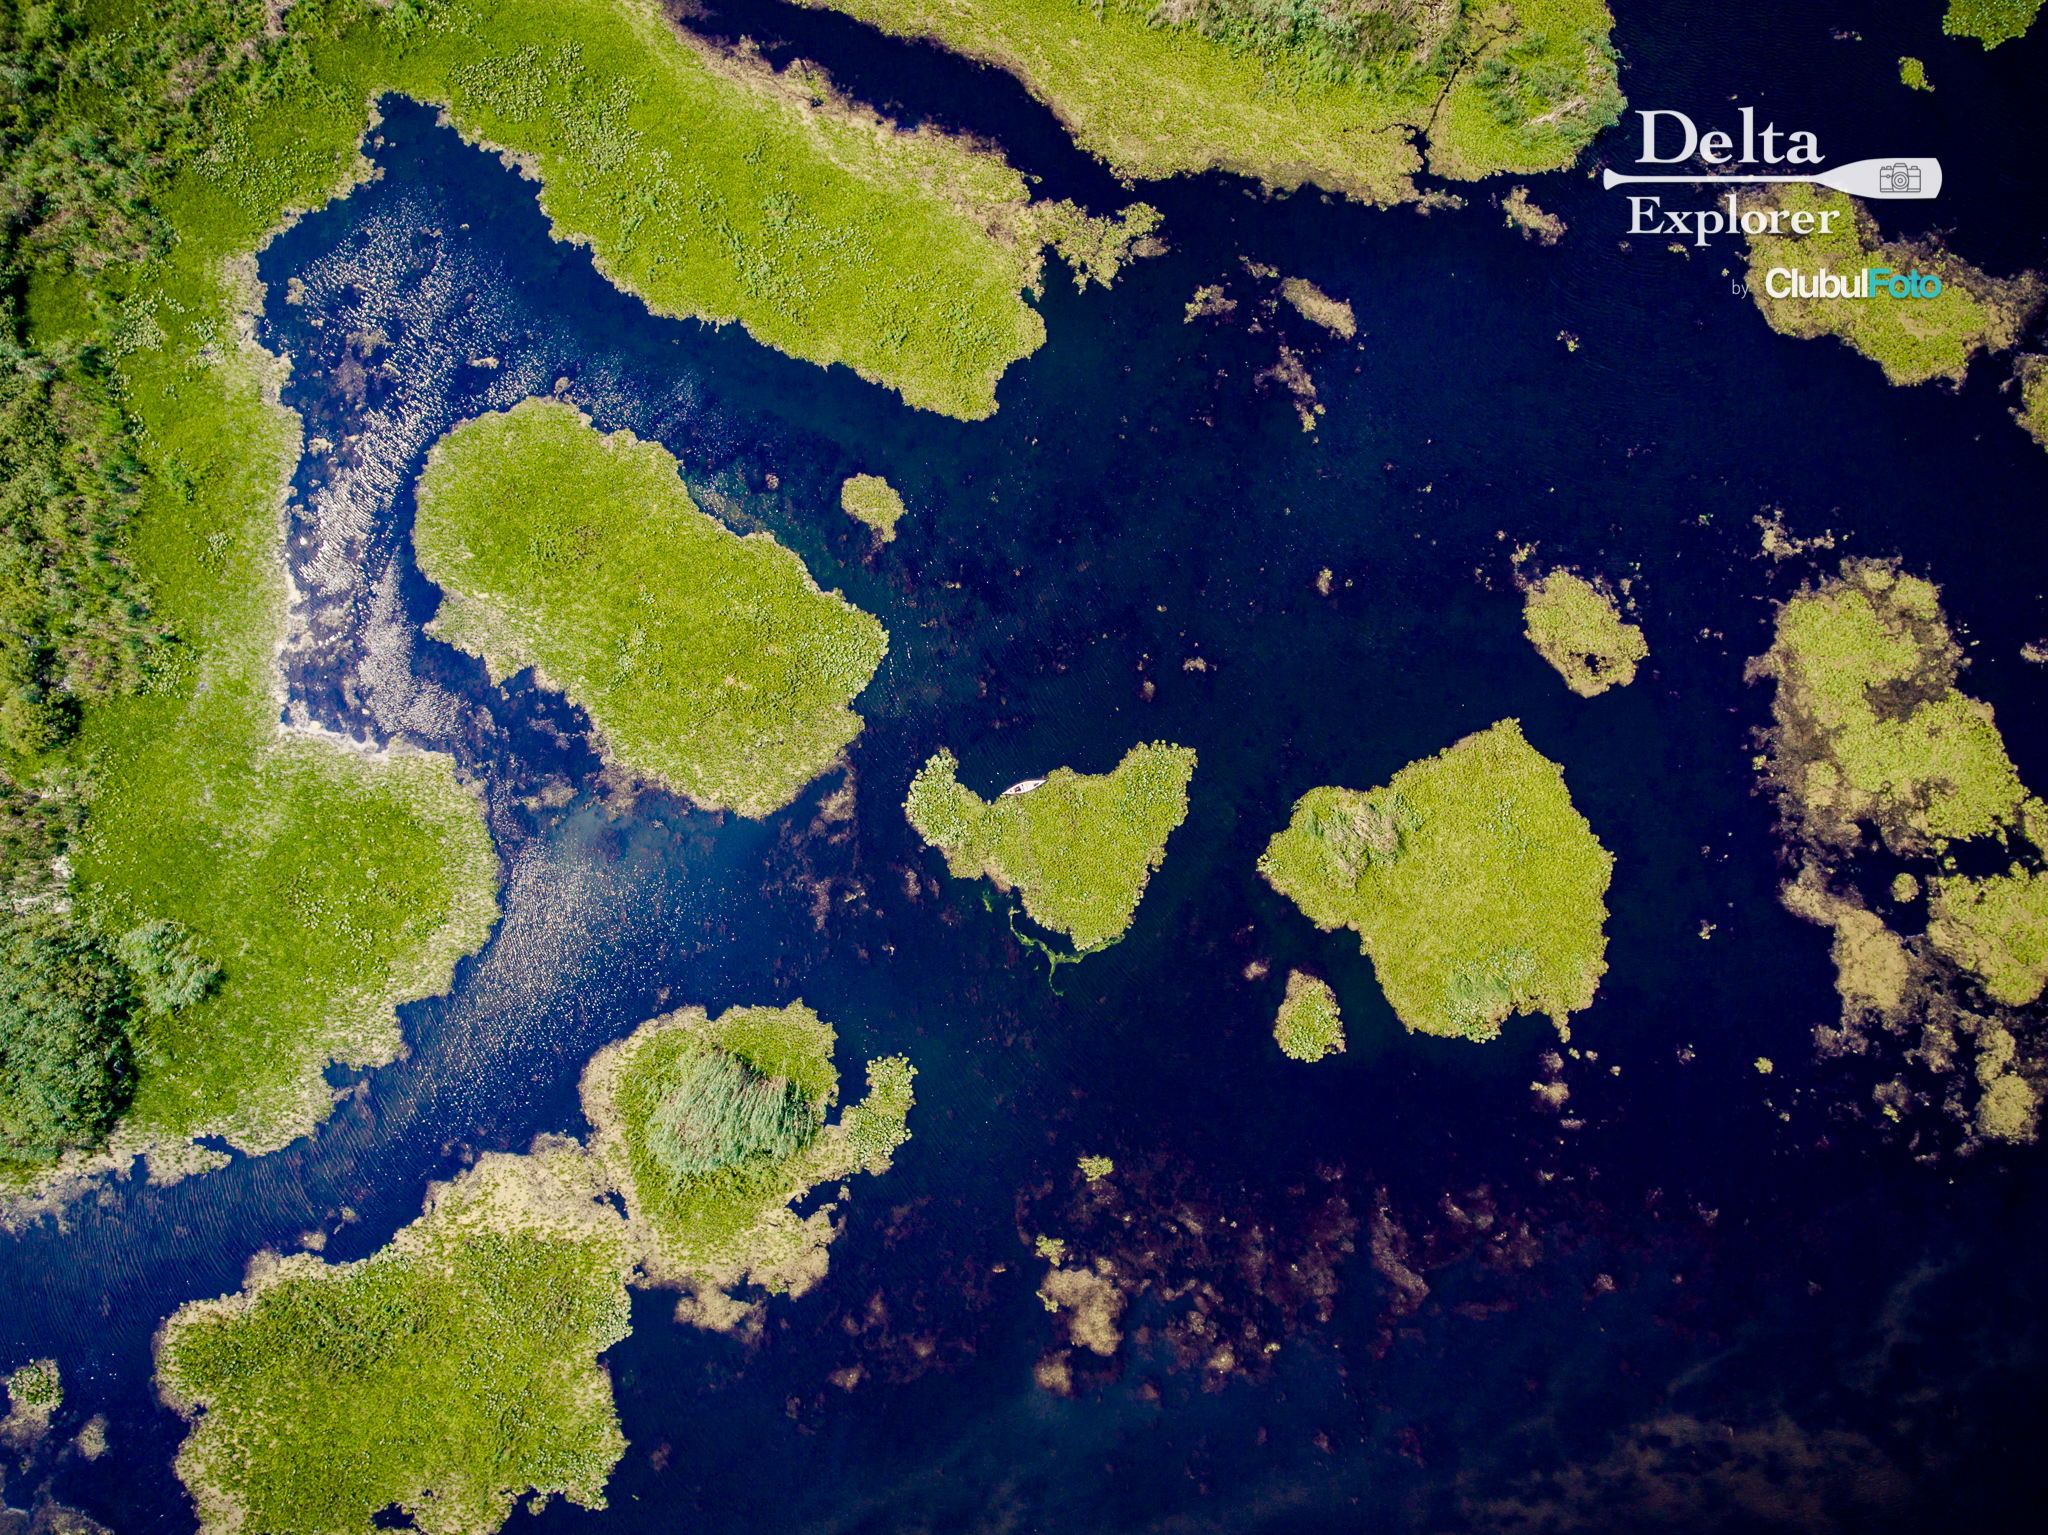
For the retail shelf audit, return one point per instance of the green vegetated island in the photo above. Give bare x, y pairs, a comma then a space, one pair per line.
1475, 886
1308, 1025
1322, 93
1912, 339
456, 1371
711, 663
1870, 734
873, 500
1577, 627
1991, 22
1079, 847
212, 909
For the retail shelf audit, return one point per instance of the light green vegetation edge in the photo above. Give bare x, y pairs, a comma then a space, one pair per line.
1991, 22
1308, 1025
1911, 339
1080, 847
456, 1369
732, 1223
1499, 85
447, 1374
1576, 627
874, 501
1870, 730
1474, 884
711, 663
2030, 377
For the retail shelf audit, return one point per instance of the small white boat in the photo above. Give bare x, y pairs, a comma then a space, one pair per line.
1021, 788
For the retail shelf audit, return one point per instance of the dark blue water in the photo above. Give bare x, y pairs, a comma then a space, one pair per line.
1723, 1301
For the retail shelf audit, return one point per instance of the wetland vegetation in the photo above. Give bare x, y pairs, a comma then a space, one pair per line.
1474, 884
1321, 92
1576, 626
873, 500
1079, 847
1308, 1026
711, 663
1912, 339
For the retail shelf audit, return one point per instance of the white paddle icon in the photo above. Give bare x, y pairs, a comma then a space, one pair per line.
1864, 178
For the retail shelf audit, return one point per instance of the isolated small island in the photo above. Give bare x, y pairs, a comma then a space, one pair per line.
874, 501
711, 663
1577, 627
1080, 847
1309, 1026
1474, 884
709, 1129
456, 1370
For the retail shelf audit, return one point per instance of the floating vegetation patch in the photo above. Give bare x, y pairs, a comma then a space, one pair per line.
1473, 883
1870, 736
1576, 626
874, 501
1079, 847
711, 662
1308, 1026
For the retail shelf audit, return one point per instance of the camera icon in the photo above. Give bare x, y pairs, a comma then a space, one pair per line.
1902, 179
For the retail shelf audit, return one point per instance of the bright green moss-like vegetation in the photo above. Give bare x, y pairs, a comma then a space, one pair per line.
1576, 627
446, 1375
1319, 91
1912, 339
1991, 22
1474, 885
710, 1129
1871, 730
711, 662
35, 1389
1079, 847
874, 501
1309, 1026
1913, 74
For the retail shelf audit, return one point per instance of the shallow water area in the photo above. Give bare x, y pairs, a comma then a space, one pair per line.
1131, 551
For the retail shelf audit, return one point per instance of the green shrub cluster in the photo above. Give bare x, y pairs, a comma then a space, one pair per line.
1308, 1025
1384, 42
68, 1001
1991, 22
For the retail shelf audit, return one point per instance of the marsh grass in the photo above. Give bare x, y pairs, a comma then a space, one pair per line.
1320, 93
1079, 847
1308, 1026
1912, 339
1577, 627
1491, 902
711, 662
1991, 22
448, 1374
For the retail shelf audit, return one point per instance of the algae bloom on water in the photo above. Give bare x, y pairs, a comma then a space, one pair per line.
1309, 1026
711, 663
1080, 847
1576, 627
1475, 886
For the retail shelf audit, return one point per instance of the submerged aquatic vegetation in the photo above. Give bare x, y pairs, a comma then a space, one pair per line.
1912, 339
1474, 884
1577, 628
1308, 1026
711, 662
445, 1376
1080, 847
